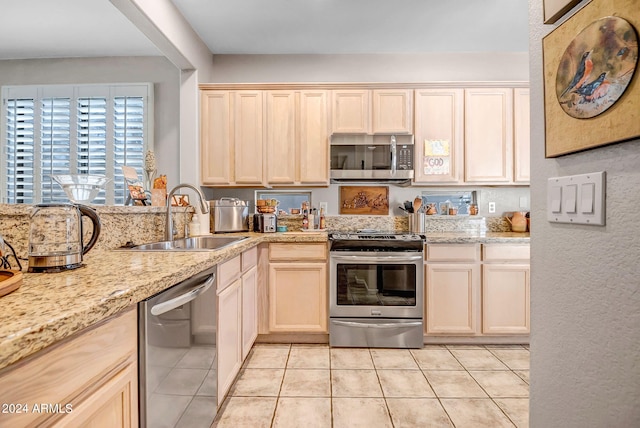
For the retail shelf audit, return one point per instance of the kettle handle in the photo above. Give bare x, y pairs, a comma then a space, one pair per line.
93, 216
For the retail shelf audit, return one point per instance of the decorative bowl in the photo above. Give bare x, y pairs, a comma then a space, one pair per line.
81, 188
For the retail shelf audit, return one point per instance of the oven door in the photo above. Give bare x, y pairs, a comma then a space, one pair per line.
376, 284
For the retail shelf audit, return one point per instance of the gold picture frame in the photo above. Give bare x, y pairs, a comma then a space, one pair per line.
565, 134
556, 9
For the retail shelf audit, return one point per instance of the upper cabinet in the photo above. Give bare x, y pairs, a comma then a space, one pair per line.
392, 111
297, 138
231, 138
521, 136
351, 112
488, 129
439, 135
377, 111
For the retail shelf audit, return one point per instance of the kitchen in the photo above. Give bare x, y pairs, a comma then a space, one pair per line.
482, 71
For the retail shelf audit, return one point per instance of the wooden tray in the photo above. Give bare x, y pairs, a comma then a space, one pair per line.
10, 280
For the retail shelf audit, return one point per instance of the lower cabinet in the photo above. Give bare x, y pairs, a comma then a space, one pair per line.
452, 273
476, 290
298, 288
505, 289
90, 379
237, 323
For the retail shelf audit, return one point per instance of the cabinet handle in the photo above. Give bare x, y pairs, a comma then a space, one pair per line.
163, 307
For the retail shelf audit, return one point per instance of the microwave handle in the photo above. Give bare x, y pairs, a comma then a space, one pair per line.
393, 155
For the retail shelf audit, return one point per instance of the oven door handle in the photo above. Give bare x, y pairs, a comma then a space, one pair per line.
374, 259
190, 295
381, 325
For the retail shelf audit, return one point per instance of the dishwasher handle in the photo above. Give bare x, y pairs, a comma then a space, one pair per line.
163, 307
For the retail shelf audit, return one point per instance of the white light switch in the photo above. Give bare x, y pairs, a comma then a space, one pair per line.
587, 192
556, 198
577, 199
570, 194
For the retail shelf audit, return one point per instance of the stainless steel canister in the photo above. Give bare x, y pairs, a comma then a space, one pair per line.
229, 215
416, 222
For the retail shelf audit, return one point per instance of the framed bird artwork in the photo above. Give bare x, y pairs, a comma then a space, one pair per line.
591, 88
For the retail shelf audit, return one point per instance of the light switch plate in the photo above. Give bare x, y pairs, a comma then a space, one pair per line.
578, 199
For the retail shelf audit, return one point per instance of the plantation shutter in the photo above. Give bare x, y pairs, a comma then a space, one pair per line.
86, 129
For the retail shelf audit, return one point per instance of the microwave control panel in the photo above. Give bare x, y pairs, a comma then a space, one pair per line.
405, 157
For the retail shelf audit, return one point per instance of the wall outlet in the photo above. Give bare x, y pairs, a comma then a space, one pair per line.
492, 207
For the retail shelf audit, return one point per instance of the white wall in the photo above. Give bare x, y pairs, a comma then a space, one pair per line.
434, 67
157, 70
585, 281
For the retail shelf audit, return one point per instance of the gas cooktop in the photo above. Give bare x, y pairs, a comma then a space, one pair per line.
376, 235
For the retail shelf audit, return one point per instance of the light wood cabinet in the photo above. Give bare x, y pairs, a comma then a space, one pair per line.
231, 138
452, 294
351, 111
297, 138
439, 135
392, 111
237, 328
249, 310
297, 288
377, 111
92, 377
488, 139
505, 289
229, 344
521, 136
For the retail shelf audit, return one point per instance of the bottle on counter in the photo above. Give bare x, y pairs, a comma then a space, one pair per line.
305, 219
311, 219
322, 222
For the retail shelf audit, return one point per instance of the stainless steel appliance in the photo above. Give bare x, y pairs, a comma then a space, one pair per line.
229, 215
372, 157
265, 223
376, 289
177, 352
56, 236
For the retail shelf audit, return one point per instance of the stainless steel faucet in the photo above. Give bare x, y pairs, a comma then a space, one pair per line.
169, 223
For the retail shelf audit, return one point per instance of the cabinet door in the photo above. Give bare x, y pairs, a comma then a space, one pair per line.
351, 111
521, 135
229, 336
314, 138
392, 111
248, 138
439, 135
505, 299
452, 298
249, 310
114, 404
488, 139
281, 137
215, 138
297, 297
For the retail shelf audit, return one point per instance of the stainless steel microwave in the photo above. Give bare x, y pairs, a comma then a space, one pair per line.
371, 157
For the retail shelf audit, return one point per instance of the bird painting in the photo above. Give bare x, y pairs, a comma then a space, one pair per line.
589, 89
582, 73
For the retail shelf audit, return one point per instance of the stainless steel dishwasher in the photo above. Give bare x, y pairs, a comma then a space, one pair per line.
177, 354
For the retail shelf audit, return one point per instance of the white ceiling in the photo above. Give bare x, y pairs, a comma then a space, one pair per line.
87, 28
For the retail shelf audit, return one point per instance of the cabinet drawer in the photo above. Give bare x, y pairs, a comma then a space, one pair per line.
453, 252
502, 252
249, 259
297, 252
228, 271
68, 372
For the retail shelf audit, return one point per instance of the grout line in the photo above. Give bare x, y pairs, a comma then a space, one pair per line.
284, 373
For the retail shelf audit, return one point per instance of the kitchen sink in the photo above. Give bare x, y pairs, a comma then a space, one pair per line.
196, 243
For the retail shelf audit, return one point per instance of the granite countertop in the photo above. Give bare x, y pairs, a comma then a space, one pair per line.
50, 307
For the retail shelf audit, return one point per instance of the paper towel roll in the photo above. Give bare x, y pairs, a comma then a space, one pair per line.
203, 219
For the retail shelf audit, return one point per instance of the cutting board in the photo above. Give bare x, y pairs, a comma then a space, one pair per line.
10, 280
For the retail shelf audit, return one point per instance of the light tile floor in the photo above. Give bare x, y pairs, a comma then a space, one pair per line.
290, 386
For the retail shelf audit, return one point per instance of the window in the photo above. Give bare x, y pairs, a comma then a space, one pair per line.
83, 129
287, 199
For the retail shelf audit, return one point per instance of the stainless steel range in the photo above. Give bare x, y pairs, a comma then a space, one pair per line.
376, 289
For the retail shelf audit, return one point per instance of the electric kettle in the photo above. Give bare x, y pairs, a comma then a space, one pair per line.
55, 236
